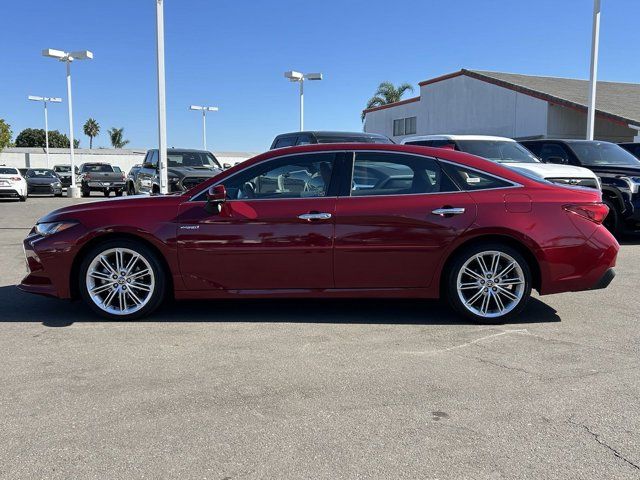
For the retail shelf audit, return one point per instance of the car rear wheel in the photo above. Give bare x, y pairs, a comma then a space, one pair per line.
612, 221
489, 283
122, 280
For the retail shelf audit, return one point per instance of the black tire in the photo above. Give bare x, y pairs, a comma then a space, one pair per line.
160, 285
118, 193
451, 284
22, 199
612, 221
58, 195
85, 193
106, 193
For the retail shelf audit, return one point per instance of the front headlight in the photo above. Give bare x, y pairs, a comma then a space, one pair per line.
57, 184
46, 229
633, 182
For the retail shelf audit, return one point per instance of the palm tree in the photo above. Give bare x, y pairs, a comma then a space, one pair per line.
117, 140
387, 93
91, 129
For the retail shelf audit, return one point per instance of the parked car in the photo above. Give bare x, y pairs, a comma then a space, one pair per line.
632, 147
43, 181
510, 153
309, 137
64, 172
131, 179
12, 184
343, 220
186, 169
100, 177
619, 172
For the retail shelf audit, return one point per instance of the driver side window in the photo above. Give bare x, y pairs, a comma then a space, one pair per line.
296, 176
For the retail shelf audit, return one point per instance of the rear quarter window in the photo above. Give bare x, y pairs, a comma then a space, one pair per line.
471, 180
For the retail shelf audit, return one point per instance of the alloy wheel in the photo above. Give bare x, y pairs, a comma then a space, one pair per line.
120, 281
490, 284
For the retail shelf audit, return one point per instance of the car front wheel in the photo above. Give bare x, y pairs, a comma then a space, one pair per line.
489, 283
122, 280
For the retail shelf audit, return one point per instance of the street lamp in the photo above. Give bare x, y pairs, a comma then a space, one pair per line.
204, 120
593, 73
69, 57
162, 99
45, 100
294, 76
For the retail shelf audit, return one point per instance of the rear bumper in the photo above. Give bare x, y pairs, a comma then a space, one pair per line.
101, 187
605, 280
11, 192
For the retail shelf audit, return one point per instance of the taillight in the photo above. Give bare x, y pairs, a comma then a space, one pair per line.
594, 212
15, 179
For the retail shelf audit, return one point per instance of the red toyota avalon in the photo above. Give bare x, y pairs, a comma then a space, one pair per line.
343, 220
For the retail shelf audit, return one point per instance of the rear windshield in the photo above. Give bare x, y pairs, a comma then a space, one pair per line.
41, 174
498, 151
62, 168
602, 153
351, 139
97, 168
8, 171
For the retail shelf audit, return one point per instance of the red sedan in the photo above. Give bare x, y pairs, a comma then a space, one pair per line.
342, 220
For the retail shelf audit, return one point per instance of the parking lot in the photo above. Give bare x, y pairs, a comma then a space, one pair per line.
316, 389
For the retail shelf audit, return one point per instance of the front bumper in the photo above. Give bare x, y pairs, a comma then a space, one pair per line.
44, 190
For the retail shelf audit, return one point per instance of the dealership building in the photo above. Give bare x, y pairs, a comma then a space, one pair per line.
510, 105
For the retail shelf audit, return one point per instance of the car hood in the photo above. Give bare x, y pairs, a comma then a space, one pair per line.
551, 170
42, 181
193, 172
617, 171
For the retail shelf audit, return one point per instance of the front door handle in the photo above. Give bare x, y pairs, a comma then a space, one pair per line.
448, 211
314, 216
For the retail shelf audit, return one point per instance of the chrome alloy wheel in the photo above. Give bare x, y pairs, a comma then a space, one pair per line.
490, 284
120, 281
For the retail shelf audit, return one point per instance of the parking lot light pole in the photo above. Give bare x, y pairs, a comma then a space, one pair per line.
162, 99
45, 100
593, 74
204, 110
299, 77
69, 57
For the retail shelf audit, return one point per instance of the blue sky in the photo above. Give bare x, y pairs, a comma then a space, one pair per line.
232, 53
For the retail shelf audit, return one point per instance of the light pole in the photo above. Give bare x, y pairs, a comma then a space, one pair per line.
204, 109
162, 99
299, 77
69, 57
593, 74
45, 100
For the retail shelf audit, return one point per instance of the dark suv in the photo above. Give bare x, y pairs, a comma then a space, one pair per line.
305, 138
632, 147
618, 170
186, 169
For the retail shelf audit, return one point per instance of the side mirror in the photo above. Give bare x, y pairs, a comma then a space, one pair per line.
557, 160
226, 165
77, 170
216, 196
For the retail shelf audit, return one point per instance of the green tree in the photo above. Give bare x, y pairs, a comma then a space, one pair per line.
35, 137
117, 137
5, 134
91, 129
387, 93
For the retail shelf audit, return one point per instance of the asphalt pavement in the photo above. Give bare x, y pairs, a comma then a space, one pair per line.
316, 389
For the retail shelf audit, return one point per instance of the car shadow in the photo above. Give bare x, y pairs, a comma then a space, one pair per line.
23, 307
629, 239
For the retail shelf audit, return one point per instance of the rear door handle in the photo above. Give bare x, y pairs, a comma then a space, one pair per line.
314, 216
447, 211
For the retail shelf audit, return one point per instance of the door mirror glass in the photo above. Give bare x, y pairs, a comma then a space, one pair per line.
226, 165
557, 160
216, 196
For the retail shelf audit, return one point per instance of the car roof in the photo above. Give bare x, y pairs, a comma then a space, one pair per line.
457, 137
333, 133
566, 140
177, 149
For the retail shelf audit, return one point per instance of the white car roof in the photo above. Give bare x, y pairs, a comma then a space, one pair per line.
456, 137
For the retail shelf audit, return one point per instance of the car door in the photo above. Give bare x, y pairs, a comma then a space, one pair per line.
147, 173
396, 222
275, 231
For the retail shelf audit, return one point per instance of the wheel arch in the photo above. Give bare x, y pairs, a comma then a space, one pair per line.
521, 247
79, 257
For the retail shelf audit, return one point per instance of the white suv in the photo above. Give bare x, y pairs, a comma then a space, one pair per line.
12, 184
511, 154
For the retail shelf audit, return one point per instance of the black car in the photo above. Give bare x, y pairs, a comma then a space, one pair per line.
44, 181
131, 179
618, 170
64, 172
308, 137
632, 147
100, 177
186, 169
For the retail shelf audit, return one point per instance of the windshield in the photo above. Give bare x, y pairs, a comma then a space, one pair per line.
41, 174
97, 168
498, 150
62, 169
603, 153
192, 160
8, 171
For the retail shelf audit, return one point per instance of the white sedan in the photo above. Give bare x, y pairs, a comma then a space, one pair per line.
12, 184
